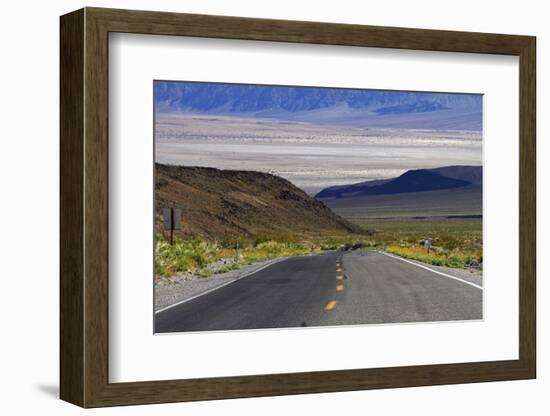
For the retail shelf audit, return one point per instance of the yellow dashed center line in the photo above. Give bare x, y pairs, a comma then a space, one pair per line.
340, 276
331, 305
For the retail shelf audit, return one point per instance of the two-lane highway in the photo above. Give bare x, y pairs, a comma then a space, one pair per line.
328, 289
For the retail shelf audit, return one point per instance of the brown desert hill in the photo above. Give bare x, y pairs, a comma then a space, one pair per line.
228, 205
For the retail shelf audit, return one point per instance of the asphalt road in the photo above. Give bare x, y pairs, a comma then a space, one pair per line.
329, 289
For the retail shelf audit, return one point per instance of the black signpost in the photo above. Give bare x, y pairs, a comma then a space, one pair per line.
172, 221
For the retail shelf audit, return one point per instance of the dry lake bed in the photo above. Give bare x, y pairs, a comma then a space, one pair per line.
312, 156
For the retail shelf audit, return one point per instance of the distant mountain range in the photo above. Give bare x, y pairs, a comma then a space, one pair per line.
355, 107
420, 180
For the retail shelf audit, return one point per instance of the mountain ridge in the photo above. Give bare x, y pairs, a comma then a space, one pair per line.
323, 105
241, 98
417, 180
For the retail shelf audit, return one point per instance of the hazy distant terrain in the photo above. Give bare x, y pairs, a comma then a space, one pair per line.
312, 156
315, 137
418, 180
326, 106
465, 201
452, 191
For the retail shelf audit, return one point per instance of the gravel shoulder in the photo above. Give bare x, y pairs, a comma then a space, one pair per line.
169, 292
470, 275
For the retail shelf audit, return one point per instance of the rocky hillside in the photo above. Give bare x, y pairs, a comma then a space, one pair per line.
226, 205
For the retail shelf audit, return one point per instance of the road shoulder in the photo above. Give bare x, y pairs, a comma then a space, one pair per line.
470, 275
183, 290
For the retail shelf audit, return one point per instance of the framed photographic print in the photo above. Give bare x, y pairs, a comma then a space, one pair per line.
255, 207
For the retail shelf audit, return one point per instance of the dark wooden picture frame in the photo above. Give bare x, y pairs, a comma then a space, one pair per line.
84, 207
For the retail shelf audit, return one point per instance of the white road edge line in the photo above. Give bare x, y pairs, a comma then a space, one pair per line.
432, 270
220, 286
